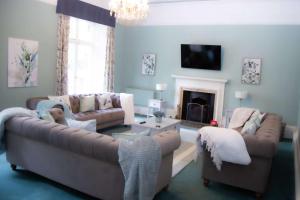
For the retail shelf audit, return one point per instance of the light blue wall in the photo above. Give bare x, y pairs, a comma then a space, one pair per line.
32, 20
299, 106
278, 46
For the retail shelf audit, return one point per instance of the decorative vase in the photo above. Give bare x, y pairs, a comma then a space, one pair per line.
158, 119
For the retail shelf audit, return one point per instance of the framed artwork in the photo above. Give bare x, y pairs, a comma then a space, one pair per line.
251, 72
22, 62
148, 65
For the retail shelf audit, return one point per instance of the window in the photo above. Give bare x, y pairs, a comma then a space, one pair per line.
86, 57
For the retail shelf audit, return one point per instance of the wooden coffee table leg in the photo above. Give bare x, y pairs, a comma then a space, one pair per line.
258, 195
205, 182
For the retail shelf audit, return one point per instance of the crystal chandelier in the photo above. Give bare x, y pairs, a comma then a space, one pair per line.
128, 11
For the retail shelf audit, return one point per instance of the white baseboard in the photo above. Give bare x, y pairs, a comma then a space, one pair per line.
297, 163
289, 131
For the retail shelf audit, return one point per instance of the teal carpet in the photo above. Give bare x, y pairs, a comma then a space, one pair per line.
187, 185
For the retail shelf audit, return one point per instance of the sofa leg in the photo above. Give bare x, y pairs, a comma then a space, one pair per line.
13, 167
166, 188
258, 195
205, 182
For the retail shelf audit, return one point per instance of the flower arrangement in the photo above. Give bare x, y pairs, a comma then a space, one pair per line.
27, 60
158, 116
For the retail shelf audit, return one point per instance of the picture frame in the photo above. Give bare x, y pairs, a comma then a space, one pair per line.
251, 71
22, 62
148, 64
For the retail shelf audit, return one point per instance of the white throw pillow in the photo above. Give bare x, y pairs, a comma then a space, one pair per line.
105, 101
87, 103
253, 123
63, 99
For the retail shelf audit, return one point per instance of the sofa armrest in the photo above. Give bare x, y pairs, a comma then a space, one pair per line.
261, 147
169, 141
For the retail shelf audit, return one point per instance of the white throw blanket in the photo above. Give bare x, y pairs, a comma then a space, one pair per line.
9, 113
224, 145
239, 117
128, 107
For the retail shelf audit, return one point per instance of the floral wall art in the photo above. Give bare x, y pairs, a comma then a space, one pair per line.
22, 62
251, 73
148, 65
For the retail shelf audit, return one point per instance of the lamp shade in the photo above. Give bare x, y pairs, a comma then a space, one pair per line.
161, 86
241, 94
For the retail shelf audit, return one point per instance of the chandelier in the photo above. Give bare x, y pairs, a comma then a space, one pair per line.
128, 11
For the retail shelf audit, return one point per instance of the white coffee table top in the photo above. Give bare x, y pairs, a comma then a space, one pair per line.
150, 123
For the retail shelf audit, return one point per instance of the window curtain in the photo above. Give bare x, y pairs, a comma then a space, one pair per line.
62, 54
85, 11
110, 60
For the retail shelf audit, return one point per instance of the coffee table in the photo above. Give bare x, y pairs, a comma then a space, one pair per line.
166, 124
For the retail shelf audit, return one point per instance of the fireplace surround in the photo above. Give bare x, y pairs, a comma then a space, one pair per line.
203, 85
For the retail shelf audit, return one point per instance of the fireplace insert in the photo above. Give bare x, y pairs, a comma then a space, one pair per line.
197, 106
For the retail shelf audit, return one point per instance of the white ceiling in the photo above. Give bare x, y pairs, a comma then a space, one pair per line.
212, 12
225, 12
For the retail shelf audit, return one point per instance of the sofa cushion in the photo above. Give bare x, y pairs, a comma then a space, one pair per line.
253, 123
102, 116
105, 101
116, 102
64, 99
75, 103
87, 103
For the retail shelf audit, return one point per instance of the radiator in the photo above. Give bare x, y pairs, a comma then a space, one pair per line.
141, 96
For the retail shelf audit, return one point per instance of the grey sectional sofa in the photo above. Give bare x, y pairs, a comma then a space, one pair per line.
105, 118
85, 161
261, 147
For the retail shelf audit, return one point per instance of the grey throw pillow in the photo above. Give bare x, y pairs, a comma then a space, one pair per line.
105, 101
253, 123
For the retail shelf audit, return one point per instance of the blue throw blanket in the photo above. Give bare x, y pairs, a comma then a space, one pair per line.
140, 161
7, 114
45, 105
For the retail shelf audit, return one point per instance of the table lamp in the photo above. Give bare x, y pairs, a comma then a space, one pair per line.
161, 87
241, 95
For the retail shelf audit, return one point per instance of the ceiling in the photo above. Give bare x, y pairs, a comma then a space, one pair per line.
217, 12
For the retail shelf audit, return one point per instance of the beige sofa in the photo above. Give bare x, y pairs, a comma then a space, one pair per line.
85, 161
261, 147
105, 118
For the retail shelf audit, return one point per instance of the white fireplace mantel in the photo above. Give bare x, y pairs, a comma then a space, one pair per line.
202, 84
199, 78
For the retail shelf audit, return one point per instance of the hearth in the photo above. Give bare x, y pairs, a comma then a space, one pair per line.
197, 106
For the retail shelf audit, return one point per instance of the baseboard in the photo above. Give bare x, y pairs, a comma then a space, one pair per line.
183, 159
296, 144
290, 131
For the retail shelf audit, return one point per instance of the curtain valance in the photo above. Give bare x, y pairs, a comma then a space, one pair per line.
82, 10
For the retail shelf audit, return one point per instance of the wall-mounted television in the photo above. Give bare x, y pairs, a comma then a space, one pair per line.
201, 56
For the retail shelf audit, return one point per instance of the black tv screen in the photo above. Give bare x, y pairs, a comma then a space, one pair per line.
201, 56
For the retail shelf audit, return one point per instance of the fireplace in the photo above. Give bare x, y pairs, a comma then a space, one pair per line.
199, 84
197, 106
